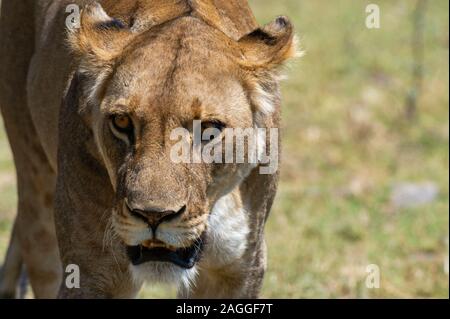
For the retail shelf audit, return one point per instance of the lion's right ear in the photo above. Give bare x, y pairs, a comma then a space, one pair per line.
99, 38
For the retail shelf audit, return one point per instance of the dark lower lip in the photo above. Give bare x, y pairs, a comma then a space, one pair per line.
182, 257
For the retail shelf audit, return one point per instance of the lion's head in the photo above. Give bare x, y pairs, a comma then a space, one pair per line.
141, 84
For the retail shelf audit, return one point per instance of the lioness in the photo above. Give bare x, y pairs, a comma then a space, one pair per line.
89, 112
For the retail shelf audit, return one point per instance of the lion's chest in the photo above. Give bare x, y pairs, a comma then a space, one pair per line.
227, 232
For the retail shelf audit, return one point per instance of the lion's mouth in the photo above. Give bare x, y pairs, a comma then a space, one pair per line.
182, 257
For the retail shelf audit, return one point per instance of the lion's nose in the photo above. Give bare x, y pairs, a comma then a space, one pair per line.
154, 218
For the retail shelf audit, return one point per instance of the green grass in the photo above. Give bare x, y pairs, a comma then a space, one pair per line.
346, 143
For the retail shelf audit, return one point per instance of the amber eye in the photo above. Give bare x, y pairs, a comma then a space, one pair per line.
122, 123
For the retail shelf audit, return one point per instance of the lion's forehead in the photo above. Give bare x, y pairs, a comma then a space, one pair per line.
169, 71
184, 45
161, 68
173, 86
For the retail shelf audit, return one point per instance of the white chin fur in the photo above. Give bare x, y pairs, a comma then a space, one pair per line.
164, 273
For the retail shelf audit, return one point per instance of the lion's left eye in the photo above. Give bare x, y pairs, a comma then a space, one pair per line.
213, 124
216, 124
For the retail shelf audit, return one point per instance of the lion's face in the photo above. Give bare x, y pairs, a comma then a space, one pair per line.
159, 82
162, 85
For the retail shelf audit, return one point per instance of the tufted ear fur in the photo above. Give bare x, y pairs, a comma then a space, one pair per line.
269, 46
99, 39
263, 52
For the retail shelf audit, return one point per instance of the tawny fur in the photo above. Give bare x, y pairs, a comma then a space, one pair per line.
165, 63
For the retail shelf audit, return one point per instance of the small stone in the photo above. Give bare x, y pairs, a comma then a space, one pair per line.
407, 195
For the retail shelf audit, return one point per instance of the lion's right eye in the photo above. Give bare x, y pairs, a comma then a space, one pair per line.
122, 124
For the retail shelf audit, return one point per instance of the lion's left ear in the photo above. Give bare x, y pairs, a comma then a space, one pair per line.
99, 38
269, 46
263, 52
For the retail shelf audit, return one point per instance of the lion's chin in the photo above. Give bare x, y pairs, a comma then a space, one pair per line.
164, 273
154, 261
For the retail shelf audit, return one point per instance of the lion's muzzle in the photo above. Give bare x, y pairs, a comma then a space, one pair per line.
160, 235
154, 218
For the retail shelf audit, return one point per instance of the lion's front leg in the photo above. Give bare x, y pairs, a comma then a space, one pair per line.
94, 262
100, 283
240, 279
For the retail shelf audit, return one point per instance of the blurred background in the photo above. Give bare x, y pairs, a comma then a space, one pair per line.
365, 166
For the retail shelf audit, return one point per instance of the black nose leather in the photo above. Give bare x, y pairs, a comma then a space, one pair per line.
155, 218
